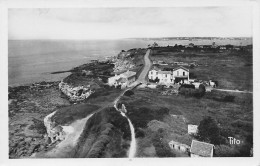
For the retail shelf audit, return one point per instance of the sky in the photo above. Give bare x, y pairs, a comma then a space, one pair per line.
116, 23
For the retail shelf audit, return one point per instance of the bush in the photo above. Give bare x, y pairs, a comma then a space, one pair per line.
208, 131
140, 117
192, 75
139, 133
192, 66
160, 87
162, 149
191, 86
190, 91
129, 93
201, 92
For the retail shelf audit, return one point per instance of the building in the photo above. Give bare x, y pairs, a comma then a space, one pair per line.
177, 75
179, 147
181, 74
201, 149
192, 129
165, 77
124, 79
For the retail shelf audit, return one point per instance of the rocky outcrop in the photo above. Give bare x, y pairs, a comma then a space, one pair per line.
75, 93
123, 64
54, 132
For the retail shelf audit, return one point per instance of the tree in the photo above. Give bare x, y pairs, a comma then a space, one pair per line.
208, 131
155, 44
202, 90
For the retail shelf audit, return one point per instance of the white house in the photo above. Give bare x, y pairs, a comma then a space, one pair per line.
165, 77
192, 129
179, 147
201, 149
179, 74
124, 79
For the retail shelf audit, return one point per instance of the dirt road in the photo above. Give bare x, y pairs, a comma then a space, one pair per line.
147, 66
237, 91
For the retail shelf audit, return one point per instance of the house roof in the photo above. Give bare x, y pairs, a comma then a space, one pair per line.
121, 80
201, 148
164, 72
181, 67
128, 74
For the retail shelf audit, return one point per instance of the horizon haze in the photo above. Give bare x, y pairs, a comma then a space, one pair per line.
120, 23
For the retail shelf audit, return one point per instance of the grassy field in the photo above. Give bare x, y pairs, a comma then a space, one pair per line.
233, 70
175, 112
67, 115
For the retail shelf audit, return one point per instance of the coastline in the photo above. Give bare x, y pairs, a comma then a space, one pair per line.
148, 109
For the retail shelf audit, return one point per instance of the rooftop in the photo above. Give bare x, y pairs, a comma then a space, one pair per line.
121, 80
164, 72
181, 67
201, 148
128, 74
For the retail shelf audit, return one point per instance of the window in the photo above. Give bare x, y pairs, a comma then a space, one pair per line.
177, 73
156, 73
151, 72
166, 75
183, 73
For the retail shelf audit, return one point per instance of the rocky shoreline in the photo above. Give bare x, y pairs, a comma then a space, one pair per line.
30, 104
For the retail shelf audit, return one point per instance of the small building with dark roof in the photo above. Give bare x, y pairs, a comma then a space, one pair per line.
201, 149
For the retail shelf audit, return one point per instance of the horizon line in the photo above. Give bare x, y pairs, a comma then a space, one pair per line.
140, 38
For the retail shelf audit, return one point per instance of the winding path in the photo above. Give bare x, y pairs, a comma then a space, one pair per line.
62, 149
141, 79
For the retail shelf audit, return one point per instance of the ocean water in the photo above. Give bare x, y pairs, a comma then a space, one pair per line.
32, 61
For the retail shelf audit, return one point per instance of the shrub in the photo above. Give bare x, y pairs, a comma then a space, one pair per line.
129, 93
191, 86
190, 91
139, 133
160, 87
201, 91
192, 66
208, 131
162, 149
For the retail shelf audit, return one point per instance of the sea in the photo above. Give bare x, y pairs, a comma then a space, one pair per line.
32, 61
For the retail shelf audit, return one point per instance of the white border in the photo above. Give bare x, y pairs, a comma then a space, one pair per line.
5, 4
